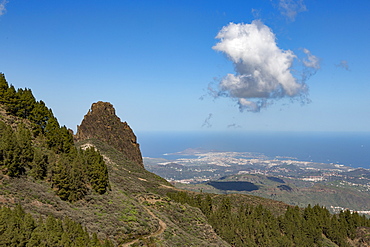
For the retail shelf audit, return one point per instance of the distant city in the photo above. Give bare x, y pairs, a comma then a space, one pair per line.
195, 168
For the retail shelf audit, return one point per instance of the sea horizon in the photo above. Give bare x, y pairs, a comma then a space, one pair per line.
345, 148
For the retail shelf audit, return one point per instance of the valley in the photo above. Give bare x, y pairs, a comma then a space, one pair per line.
287, 179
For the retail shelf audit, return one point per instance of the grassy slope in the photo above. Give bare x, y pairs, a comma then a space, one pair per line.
134, 208
124, 213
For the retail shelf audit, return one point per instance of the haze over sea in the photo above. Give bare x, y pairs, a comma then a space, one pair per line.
347, 148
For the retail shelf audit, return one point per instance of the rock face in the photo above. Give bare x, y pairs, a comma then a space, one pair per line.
102, 123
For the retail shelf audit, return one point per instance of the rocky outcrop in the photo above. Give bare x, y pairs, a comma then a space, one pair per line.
102, 123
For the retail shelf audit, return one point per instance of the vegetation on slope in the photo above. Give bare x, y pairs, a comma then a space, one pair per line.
247, 225
39, 147
18, 228
185, 225
132, 206
38, 160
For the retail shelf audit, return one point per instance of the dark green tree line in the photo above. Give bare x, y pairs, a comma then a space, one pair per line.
45, 149
72, 175
96, 170
11, 154
22, 103
246, 225
18, 229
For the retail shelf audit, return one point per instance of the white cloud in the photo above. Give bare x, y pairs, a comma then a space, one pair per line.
311, 61
263, 70
2, 7
290, 8
234, 125
343, 64
250, 105
207, 121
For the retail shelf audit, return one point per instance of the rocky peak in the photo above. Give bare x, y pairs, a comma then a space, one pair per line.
102, 123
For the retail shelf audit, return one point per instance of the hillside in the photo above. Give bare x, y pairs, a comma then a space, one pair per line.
135, 207
96, 192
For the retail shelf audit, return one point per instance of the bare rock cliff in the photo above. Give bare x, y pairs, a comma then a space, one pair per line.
102, 123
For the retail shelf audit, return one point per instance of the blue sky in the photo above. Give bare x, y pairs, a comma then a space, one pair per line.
164, 65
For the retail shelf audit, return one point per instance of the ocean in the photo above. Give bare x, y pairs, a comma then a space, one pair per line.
347, 148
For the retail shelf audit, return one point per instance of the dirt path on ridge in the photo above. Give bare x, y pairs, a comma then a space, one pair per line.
161, 228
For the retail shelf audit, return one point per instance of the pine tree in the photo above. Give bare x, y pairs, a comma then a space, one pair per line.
52, 134
96, 170
26, 103
69, 179
23, 136
10, 100
206, 205
60, 178
55, 229
10, 152
3, 87
39, 116
39, 236
18, 228
77, 181
39, 165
